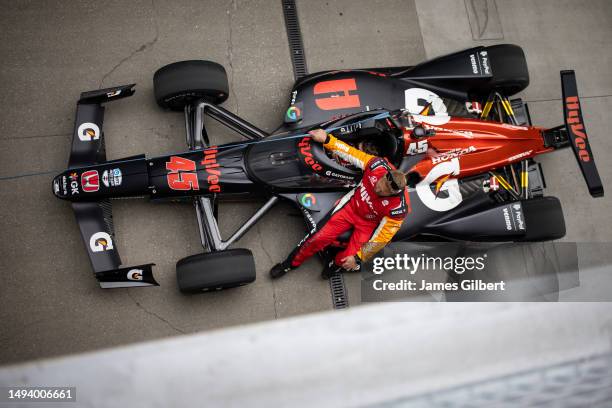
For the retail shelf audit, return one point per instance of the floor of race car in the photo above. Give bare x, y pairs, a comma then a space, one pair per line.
50, 304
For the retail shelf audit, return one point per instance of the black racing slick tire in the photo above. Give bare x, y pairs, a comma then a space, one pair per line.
178, 84
509, 66
215, 271
544, 219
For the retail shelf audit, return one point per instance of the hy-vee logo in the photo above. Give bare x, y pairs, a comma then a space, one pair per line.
211, 166
304, 146
574, 119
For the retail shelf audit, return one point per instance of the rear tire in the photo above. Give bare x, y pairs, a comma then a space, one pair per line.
178, 84
215, 270
544, 219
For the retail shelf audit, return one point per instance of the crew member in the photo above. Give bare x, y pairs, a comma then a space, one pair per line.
374, 209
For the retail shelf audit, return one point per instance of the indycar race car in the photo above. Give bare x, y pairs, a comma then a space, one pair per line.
448, 119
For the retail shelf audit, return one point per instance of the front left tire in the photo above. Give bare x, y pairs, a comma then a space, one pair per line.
178, 84
215, 270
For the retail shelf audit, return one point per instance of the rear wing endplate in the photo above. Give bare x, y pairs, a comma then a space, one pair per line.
572, 114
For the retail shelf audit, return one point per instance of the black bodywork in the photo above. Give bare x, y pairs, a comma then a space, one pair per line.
286, 165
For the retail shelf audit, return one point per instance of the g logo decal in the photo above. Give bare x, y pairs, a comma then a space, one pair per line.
88, 131
100, 241
293, 113
308, 200
450, 186
134, 274
426, 106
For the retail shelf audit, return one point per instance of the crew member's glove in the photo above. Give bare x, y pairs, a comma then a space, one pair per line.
318, 135
413, 178
351, 263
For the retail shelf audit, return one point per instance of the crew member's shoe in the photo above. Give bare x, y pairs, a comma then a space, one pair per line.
330, 270
280, 269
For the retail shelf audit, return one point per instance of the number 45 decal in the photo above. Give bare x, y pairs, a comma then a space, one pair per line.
182, 174
417, 147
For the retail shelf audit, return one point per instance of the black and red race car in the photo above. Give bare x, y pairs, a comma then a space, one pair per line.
449, 119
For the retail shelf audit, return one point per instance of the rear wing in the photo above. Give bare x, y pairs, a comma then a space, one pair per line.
572, 114
95, 218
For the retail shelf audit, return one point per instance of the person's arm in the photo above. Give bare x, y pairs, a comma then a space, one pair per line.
354, 156
384, 233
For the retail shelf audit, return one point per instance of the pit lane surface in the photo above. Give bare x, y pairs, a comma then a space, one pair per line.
50, 304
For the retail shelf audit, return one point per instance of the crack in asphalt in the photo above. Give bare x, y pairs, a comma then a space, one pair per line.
140, 49
36, 136
41, 173
263, 248
274, 298
232, 7
262, 245
147, 311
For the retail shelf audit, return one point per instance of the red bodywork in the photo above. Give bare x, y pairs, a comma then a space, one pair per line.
479, 145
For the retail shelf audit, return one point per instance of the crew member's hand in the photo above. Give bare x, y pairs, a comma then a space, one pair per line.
349, 263
318, 135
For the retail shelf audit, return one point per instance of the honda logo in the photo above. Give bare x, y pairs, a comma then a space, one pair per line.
90, 182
